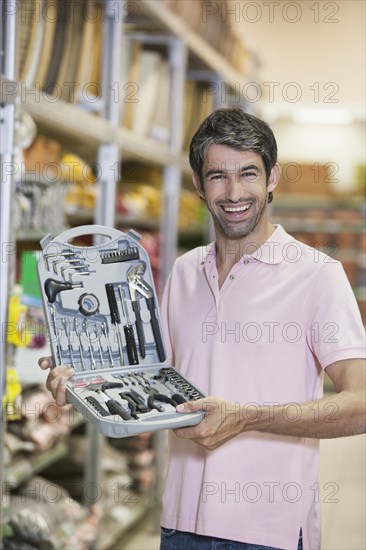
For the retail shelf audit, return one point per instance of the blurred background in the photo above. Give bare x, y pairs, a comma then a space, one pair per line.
103, 98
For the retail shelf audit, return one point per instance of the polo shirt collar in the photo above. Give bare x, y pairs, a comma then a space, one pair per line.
271, 251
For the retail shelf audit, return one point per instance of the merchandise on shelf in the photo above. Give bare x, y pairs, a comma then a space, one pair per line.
82, 189
144, 202
41, 422
298, 178
40, 188
209, 21
332, 224
140, 454
11, 401
17, 335
60, 48
44, 515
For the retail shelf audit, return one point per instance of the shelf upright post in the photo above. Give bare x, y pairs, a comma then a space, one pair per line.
7, 113
173, 173
107, 163
108, 153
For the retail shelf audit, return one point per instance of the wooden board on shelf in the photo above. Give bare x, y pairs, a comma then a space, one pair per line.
49, 34
195, 43
147, 89
26, 35
85, 58
30, 74
131, 96
160, 126
70, 73
58, 48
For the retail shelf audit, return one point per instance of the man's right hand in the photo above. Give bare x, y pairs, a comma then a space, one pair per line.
57, 378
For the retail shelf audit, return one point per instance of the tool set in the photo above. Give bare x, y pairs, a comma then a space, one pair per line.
103, 320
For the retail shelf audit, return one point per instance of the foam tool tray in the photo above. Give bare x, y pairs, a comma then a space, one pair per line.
103, 320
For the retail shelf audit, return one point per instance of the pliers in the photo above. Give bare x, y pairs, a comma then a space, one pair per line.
155, 395
136, 283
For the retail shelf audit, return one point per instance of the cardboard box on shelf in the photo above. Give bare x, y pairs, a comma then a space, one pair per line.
306, 179
351, 270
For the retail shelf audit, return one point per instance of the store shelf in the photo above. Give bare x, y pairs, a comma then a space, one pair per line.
83, 132
30, 235
316, 225
195, 44
319, 202
81, 217
111, 531
66, 121
18, 472
146, 149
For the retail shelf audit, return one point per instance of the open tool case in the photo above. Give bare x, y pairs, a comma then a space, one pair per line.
103, 317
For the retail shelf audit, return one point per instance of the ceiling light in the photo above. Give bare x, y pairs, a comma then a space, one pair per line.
322, 116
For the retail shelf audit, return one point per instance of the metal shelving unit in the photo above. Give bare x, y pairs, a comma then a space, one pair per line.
100, 136
7, 109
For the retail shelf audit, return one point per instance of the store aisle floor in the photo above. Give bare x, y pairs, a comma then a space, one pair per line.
342, 493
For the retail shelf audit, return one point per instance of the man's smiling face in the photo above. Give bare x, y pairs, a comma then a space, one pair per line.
235, 190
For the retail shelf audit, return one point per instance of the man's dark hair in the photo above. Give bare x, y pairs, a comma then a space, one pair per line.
236, 129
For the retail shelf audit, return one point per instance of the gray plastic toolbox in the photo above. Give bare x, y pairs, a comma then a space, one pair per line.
103, 319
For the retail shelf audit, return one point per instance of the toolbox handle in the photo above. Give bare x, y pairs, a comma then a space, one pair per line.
92, 229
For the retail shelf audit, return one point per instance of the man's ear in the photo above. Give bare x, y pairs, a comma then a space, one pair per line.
274, 177
198, 186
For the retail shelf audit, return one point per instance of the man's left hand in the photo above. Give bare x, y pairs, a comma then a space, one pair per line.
222, 422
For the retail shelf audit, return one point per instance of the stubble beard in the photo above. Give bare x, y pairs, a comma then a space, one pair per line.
237, 230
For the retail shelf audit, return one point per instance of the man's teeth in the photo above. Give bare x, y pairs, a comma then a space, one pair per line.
237, 209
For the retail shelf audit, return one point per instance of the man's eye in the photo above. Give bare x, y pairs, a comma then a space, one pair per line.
251, 175
217, 177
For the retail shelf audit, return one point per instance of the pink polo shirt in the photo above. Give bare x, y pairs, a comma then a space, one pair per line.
282, 315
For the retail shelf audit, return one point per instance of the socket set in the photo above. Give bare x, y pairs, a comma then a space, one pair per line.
103, 320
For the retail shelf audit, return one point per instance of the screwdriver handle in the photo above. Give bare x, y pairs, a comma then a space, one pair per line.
139, 328
97, 405
113, 307
115, 408
155, 328
131, 345
178, 398
53, 287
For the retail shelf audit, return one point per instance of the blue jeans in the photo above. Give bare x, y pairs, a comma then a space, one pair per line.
180, 540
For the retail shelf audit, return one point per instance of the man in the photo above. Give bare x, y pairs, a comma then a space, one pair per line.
253, 320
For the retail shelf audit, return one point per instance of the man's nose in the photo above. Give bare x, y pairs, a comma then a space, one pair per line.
234, 188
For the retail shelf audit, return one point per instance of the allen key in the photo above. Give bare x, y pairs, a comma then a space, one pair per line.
77, 266
57, 256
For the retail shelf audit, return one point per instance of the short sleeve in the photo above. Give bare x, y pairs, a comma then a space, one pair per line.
335, 331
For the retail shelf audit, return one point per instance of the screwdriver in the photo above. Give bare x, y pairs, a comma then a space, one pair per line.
58, 346
113, 406
69, 345
128, 330
53, 287
115, 318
